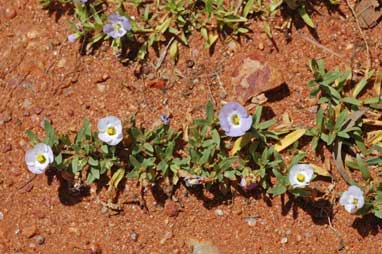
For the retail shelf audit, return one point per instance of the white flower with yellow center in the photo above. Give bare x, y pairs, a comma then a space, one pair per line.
300, 175
110, 130
352, 199
39, 158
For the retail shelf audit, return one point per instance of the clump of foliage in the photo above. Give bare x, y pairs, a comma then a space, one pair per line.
166, 25
209, 152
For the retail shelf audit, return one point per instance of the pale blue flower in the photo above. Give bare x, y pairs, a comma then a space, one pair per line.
352, 199
110, 130
300, 175
39, 158
165, 119
117, 27
234, 119
72, 38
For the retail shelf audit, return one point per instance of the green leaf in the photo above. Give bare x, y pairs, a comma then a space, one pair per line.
75, 165
52, 138
230, 175
91, 178
148, 147
352, 101
116, 178
95, 172
93, 162
248, 7
210, 112
32, 137
305, 16
105, 149
362, 166
277, 190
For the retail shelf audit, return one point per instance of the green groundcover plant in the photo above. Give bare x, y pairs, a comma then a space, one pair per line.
132, 27
234, 149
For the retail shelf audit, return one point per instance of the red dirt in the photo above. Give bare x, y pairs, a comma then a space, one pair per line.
42, 76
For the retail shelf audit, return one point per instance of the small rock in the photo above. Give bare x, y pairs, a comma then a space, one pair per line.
61, 63
7, 148
38, 110
103, 78
199, 247
232, 45
261, 46
313, 109
32, 34
299, 238
27, 104
39, 239
166, 236
29, 231
254, 75
195, 81
75, 231
27, 85
190, 63
104, 210
284, 240
6, 117
101, 88
10, 13
171, 209
219, 212
134, 236
251, 221
1, 216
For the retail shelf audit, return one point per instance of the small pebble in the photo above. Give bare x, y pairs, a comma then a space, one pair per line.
38, 110
190, 63
6, 117
261, 46
27, 104
219, 212
1, 216
101, 87
7, 148
134, 236
284, 240
251, 221
166, 236
104, 210
299, 238
32, 34
10, 13
39, 239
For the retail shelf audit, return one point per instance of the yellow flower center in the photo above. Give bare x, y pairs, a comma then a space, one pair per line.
355, 201
117, 27
235, 119
111, 131
300, 177
41, 158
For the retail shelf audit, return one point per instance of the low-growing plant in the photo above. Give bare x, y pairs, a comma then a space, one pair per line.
133, 27
236, 149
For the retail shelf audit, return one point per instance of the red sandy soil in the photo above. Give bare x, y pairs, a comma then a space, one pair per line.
43, 76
